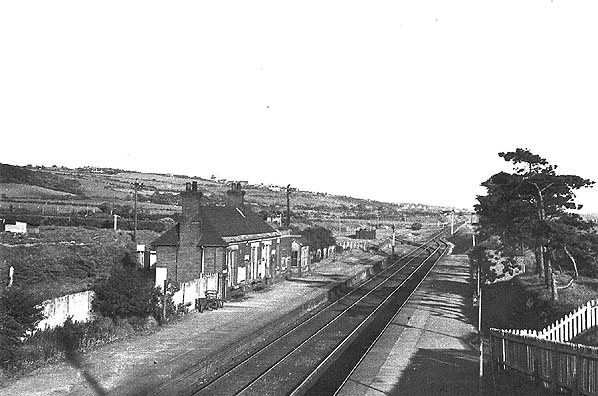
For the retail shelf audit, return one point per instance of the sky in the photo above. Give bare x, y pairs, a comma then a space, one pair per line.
388, 100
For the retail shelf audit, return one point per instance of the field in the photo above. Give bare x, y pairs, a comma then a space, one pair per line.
82, 192
76, 245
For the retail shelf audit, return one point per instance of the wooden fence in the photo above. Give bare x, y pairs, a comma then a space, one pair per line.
548, 356
559, 365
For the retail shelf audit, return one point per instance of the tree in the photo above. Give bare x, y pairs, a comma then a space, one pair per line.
318, 237
416, 226
126, 293
529, 207
20, 312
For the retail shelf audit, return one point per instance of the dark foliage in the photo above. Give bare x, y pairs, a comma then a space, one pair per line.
318, 237
19, 314
530, 207
416, 226
126, 293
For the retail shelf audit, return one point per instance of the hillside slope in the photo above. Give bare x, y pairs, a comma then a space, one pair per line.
48, 180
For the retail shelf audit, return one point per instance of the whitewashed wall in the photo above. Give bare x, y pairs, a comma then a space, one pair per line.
56, 311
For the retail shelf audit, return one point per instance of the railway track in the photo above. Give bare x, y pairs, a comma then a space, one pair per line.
305, 358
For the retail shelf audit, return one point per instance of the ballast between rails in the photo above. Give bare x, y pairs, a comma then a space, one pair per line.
229, 371
389, 323
330, 323
307, 382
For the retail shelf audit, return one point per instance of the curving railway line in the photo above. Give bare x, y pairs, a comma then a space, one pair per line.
317, 355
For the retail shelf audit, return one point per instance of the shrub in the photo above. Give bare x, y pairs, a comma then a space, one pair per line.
127, 292
416, 226
319, 237
20, 313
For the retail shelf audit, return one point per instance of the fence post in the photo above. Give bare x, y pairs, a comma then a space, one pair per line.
576, 376
554, 359
537, 365
492, 357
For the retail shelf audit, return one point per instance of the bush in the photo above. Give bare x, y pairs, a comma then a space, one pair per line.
128, 292
20, 313
319, 237
416, 226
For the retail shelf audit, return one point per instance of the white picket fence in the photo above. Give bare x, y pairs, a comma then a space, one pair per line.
561, 366
570, 326
549, 356
583, 318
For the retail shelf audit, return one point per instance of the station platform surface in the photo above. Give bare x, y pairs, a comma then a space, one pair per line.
430, 347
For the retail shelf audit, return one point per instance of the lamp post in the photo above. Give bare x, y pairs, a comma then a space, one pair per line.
393, 242
477, 299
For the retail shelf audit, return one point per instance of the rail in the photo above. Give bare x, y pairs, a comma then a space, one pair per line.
285, 356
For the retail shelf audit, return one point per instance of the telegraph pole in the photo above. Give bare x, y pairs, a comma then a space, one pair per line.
136, 186
288, 222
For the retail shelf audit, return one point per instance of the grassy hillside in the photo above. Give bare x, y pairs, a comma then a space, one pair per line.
63, 260
99, 192
48, 180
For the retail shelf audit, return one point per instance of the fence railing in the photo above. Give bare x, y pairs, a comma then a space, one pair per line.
567, 328
560, 365
573, 324
548, 356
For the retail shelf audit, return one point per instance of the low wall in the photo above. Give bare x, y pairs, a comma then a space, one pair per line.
77, 305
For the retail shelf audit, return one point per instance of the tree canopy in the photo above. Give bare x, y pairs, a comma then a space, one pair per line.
531, 207
318, 237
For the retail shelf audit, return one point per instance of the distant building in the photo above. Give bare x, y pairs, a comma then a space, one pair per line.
363, 233
16, 227
295, 253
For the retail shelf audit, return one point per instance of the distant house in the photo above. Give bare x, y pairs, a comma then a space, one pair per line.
364, 233
230, 244
16, 227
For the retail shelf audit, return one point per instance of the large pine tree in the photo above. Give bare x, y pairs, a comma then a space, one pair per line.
531, 207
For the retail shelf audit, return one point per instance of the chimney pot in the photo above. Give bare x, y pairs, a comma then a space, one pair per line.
194, 188
187, 186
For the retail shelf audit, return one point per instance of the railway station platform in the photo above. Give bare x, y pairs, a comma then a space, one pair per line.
429, 349
140, 365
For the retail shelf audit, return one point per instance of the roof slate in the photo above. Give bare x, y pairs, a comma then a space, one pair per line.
220, 223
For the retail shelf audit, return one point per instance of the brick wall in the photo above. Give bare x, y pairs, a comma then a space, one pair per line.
189, 263
167, 259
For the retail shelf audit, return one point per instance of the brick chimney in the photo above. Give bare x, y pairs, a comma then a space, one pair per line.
235, 196
191, 201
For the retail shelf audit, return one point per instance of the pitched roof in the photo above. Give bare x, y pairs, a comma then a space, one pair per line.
169, 238
230, 221
222, 224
